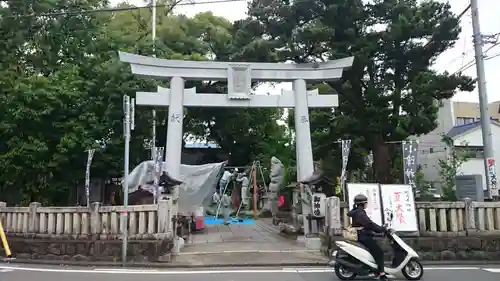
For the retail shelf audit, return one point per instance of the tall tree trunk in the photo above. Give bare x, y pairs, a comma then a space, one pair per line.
381, 161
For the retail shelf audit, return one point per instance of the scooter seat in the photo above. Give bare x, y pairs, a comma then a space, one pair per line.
357, 244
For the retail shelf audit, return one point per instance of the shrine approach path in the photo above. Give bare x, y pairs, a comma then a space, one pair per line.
258, 244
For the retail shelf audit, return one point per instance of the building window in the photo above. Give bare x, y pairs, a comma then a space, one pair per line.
464, 120
473, 152
492, 118
431, 150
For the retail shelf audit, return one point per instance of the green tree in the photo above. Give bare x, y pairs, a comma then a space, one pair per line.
46, 121
449, 168
390, 93
61, 88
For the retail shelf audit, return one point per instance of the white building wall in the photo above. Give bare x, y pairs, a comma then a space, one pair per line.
431, 148
475, 138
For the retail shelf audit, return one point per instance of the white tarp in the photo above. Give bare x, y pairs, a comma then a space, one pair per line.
199, 182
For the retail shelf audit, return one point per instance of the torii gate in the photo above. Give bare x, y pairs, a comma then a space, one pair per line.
239, 76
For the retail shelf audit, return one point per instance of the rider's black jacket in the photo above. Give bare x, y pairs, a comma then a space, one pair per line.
361, 219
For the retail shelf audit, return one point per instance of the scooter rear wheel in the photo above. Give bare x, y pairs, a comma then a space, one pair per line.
413, 270
343, 273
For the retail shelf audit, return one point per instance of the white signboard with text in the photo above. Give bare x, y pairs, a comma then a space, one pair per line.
372, 191
398, 199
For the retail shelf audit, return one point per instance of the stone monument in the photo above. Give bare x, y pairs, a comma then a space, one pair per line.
276, 176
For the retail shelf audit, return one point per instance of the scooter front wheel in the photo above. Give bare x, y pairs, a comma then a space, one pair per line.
413, 270
343, 273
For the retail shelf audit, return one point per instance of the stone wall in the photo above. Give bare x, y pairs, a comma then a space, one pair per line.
435, 249
92, 248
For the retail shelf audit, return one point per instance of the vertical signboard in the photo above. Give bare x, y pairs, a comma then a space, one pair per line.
492, 176
372, 192
410, 153
157, 172
319, 205
90, 155
398, 200
346, 149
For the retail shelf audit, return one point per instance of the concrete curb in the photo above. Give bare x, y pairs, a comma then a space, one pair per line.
215, 265
162, 265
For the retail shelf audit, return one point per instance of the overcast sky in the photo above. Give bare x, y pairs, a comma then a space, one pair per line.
452, 60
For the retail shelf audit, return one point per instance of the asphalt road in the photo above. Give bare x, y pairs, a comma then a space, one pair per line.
50, 273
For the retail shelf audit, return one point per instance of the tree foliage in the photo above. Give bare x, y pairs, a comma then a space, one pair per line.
390, 93
449, 168
61, 88
61, 83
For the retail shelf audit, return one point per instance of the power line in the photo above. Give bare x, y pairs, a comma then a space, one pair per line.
465, 10
119, 9
493, 56
473, 62
465, 41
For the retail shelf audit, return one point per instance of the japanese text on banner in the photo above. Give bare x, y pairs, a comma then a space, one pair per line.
373, 203
403, 205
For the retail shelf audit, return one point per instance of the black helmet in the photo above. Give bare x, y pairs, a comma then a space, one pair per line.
360, 199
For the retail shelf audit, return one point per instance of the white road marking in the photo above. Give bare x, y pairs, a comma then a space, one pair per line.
125, 270
494, 270
6, 270
246, 251
211, 271
452, 268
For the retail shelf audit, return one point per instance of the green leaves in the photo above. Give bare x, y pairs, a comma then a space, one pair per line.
389, 94
61, 89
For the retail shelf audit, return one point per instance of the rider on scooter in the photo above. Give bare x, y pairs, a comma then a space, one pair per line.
365, 235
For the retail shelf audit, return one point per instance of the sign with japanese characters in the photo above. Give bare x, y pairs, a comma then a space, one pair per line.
319, 205
239, 81
397, 199
175, 118
90, 155
157, 171
346, 149
410, 152
372, 192
492, 176
333, 212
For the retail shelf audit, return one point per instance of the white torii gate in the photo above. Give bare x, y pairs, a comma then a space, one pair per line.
239, 76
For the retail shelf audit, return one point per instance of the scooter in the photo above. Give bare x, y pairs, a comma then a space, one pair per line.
352, 260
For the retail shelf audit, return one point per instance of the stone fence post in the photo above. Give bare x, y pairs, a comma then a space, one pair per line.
95, 218
164, 215
3, 217
334, 224
470, 217
33, 219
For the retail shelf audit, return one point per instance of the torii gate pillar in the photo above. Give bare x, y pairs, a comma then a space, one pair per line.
239, 76
304, 155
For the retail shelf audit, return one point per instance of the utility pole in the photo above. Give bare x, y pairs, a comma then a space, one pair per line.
153, 36
489, 158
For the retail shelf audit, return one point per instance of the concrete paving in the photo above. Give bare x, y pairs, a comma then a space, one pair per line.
238, 245
47, 273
